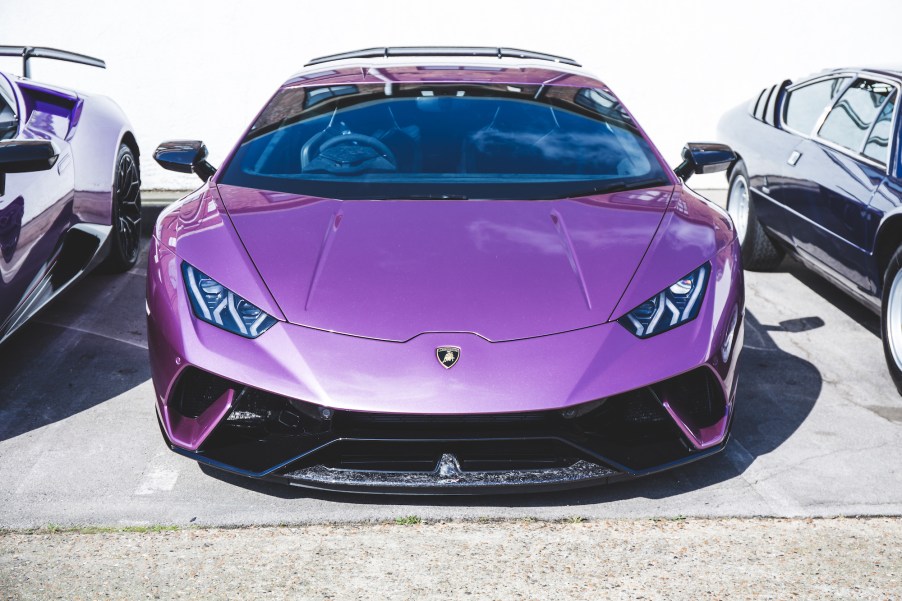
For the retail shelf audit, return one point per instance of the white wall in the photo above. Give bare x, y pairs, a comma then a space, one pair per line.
191, 69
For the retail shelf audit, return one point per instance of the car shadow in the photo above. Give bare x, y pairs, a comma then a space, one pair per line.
88, 347
833, 294
776, 392
85, 348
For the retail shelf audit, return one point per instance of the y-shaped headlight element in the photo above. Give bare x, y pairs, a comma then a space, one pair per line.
215, 304
671, 307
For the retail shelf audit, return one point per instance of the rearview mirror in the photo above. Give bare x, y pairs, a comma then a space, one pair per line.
704, 157
185, 156
22, 156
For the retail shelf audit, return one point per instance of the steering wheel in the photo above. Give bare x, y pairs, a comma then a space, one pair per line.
361, 140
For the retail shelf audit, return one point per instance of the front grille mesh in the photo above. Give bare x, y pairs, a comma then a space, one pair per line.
472, 455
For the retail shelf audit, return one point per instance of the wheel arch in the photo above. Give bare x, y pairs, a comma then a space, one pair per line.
733, 166
128, 138
101, 130
889, 238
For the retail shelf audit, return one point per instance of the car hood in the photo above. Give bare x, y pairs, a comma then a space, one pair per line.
394, 269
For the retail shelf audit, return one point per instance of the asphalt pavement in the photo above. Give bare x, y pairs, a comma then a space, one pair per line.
817, 431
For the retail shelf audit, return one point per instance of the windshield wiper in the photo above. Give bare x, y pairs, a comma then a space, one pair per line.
620, 186
427, 197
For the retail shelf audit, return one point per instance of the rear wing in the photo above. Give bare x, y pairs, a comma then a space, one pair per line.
29, 52
442, 51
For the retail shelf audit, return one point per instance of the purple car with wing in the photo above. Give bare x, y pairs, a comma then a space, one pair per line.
451, 270
69, 188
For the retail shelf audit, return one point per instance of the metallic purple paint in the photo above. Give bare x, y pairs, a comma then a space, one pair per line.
501, 269
365, 291
521, 375
436, 72
535, 373
39, 209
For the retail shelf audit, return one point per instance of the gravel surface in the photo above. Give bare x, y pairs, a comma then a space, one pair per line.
843, 558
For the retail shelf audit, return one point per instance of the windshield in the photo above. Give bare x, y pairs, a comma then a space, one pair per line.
438, 141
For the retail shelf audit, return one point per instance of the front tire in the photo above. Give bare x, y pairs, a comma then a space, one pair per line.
126, 213
759, 253
891, 318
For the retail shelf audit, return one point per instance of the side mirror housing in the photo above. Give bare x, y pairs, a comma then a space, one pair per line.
23, 156
185, 156
704, 157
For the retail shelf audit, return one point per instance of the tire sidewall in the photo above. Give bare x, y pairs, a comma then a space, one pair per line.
895, 264
116, 261
740, 172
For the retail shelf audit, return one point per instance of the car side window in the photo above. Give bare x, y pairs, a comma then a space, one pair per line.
770, 109
8, 122
855, 113
805, 105
761, 103
877, 145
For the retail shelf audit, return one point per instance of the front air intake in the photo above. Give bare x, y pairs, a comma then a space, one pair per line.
195, 391
695, 397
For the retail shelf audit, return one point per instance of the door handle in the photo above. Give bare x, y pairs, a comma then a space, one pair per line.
794, 157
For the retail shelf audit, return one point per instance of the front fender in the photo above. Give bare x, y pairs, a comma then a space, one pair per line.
95, 140
693, 231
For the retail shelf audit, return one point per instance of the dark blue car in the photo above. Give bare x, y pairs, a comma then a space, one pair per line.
818, 176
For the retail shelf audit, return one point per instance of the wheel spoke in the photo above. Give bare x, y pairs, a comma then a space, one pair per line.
894, 319
128, 206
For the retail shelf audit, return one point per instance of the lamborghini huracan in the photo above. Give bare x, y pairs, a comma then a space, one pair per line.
444, 270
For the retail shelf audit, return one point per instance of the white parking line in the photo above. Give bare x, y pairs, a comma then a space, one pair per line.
85, 331
158, 479
760, 348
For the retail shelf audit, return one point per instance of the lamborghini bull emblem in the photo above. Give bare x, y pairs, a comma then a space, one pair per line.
447, 355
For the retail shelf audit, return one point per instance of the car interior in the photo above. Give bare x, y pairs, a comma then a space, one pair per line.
447, 134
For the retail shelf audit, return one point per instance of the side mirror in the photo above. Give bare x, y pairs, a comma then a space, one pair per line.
704, 157
22, 156
185, 156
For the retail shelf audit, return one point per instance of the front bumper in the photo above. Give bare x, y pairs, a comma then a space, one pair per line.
273, 437
332, 411
448, 477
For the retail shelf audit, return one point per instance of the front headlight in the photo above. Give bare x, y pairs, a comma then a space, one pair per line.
215, 304
669, 308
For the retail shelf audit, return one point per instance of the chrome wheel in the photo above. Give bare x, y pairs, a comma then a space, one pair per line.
894, 319
738, 206
128, 207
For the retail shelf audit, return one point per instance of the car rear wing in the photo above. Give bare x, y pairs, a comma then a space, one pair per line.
29, 52
386, 52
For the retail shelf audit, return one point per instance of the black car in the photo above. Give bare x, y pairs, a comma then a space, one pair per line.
818, 176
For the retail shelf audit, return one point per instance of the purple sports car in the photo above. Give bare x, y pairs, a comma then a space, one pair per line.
444, 270
69, 188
